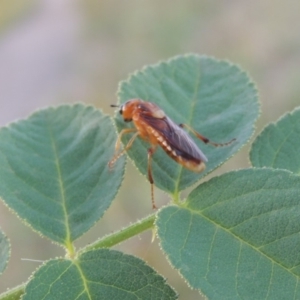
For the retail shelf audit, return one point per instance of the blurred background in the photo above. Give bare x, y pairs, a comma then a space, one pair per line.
65, 51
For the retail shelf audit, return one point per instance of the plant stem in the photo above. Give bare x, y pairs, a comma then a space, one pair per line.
176, 198
122, 235
105, 242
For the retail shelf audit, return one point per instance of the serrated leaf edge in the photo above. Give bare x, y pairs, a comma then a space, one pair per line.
175, 194
186, 208
12, 292
271, 124
75, 262
71, 105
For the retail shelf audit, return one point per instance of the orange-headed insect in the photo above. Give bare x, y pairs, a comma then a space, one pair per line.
154, 126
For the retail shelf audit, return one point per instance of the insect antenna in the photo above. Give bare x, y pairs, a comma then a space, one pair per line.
114, 105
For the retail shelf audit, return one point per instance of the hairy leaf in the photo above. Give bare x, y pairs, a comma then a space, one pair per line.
278, 146
214, 97
238, 235
13, 294
98, 274
54, 172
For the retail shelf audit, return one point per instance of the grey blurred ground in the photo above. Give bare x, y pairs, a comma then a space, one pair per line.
56, 51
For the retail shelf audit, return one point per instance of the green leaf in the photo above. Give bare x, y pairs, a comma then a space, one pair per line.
4, 251
13, 294
54, 172
238, 235
278, 145
214, 97
98, 274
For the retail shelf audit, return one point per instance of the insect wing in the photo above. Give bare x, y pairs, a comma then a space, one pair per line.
176, 138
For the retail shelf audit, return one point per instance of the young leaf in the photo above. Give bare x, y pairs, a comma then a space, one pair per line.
4, 251
278, 145
98, 274
54, 172
214, 97
13, 294
238, 235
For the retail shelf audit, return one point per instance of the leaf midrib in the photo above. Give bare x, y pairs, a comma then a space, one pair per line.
86, 289
68, 241
189, 121
243, 241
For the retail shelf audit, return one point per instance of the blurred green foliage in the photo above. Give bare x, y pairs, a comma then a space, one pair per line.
12, 10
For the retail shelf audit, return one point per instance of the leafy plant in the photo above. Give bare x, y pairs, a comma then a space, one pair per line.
235, 236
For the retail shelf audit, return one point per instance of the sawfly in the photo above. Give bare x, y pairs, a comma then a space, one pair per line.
154, 126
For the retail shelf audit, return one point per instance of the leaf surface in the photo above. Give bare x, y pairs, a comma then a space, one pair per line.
238, 235
214, 97
13, 294
54, 172
278, 145
98, 274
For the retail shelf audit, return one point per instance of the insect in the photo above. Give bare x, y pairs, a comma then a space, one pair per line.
153, 125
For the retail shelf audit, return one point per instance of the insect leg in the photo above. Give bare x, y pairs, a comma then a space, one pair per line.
150, 177
118, 143
203, 138
123, 131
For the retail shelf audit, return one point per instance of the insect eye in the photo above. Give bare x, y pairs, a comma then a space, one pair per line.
121, 110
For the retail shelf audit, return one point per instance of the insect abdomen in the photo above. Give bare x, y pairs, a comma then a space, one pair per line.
191, 164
